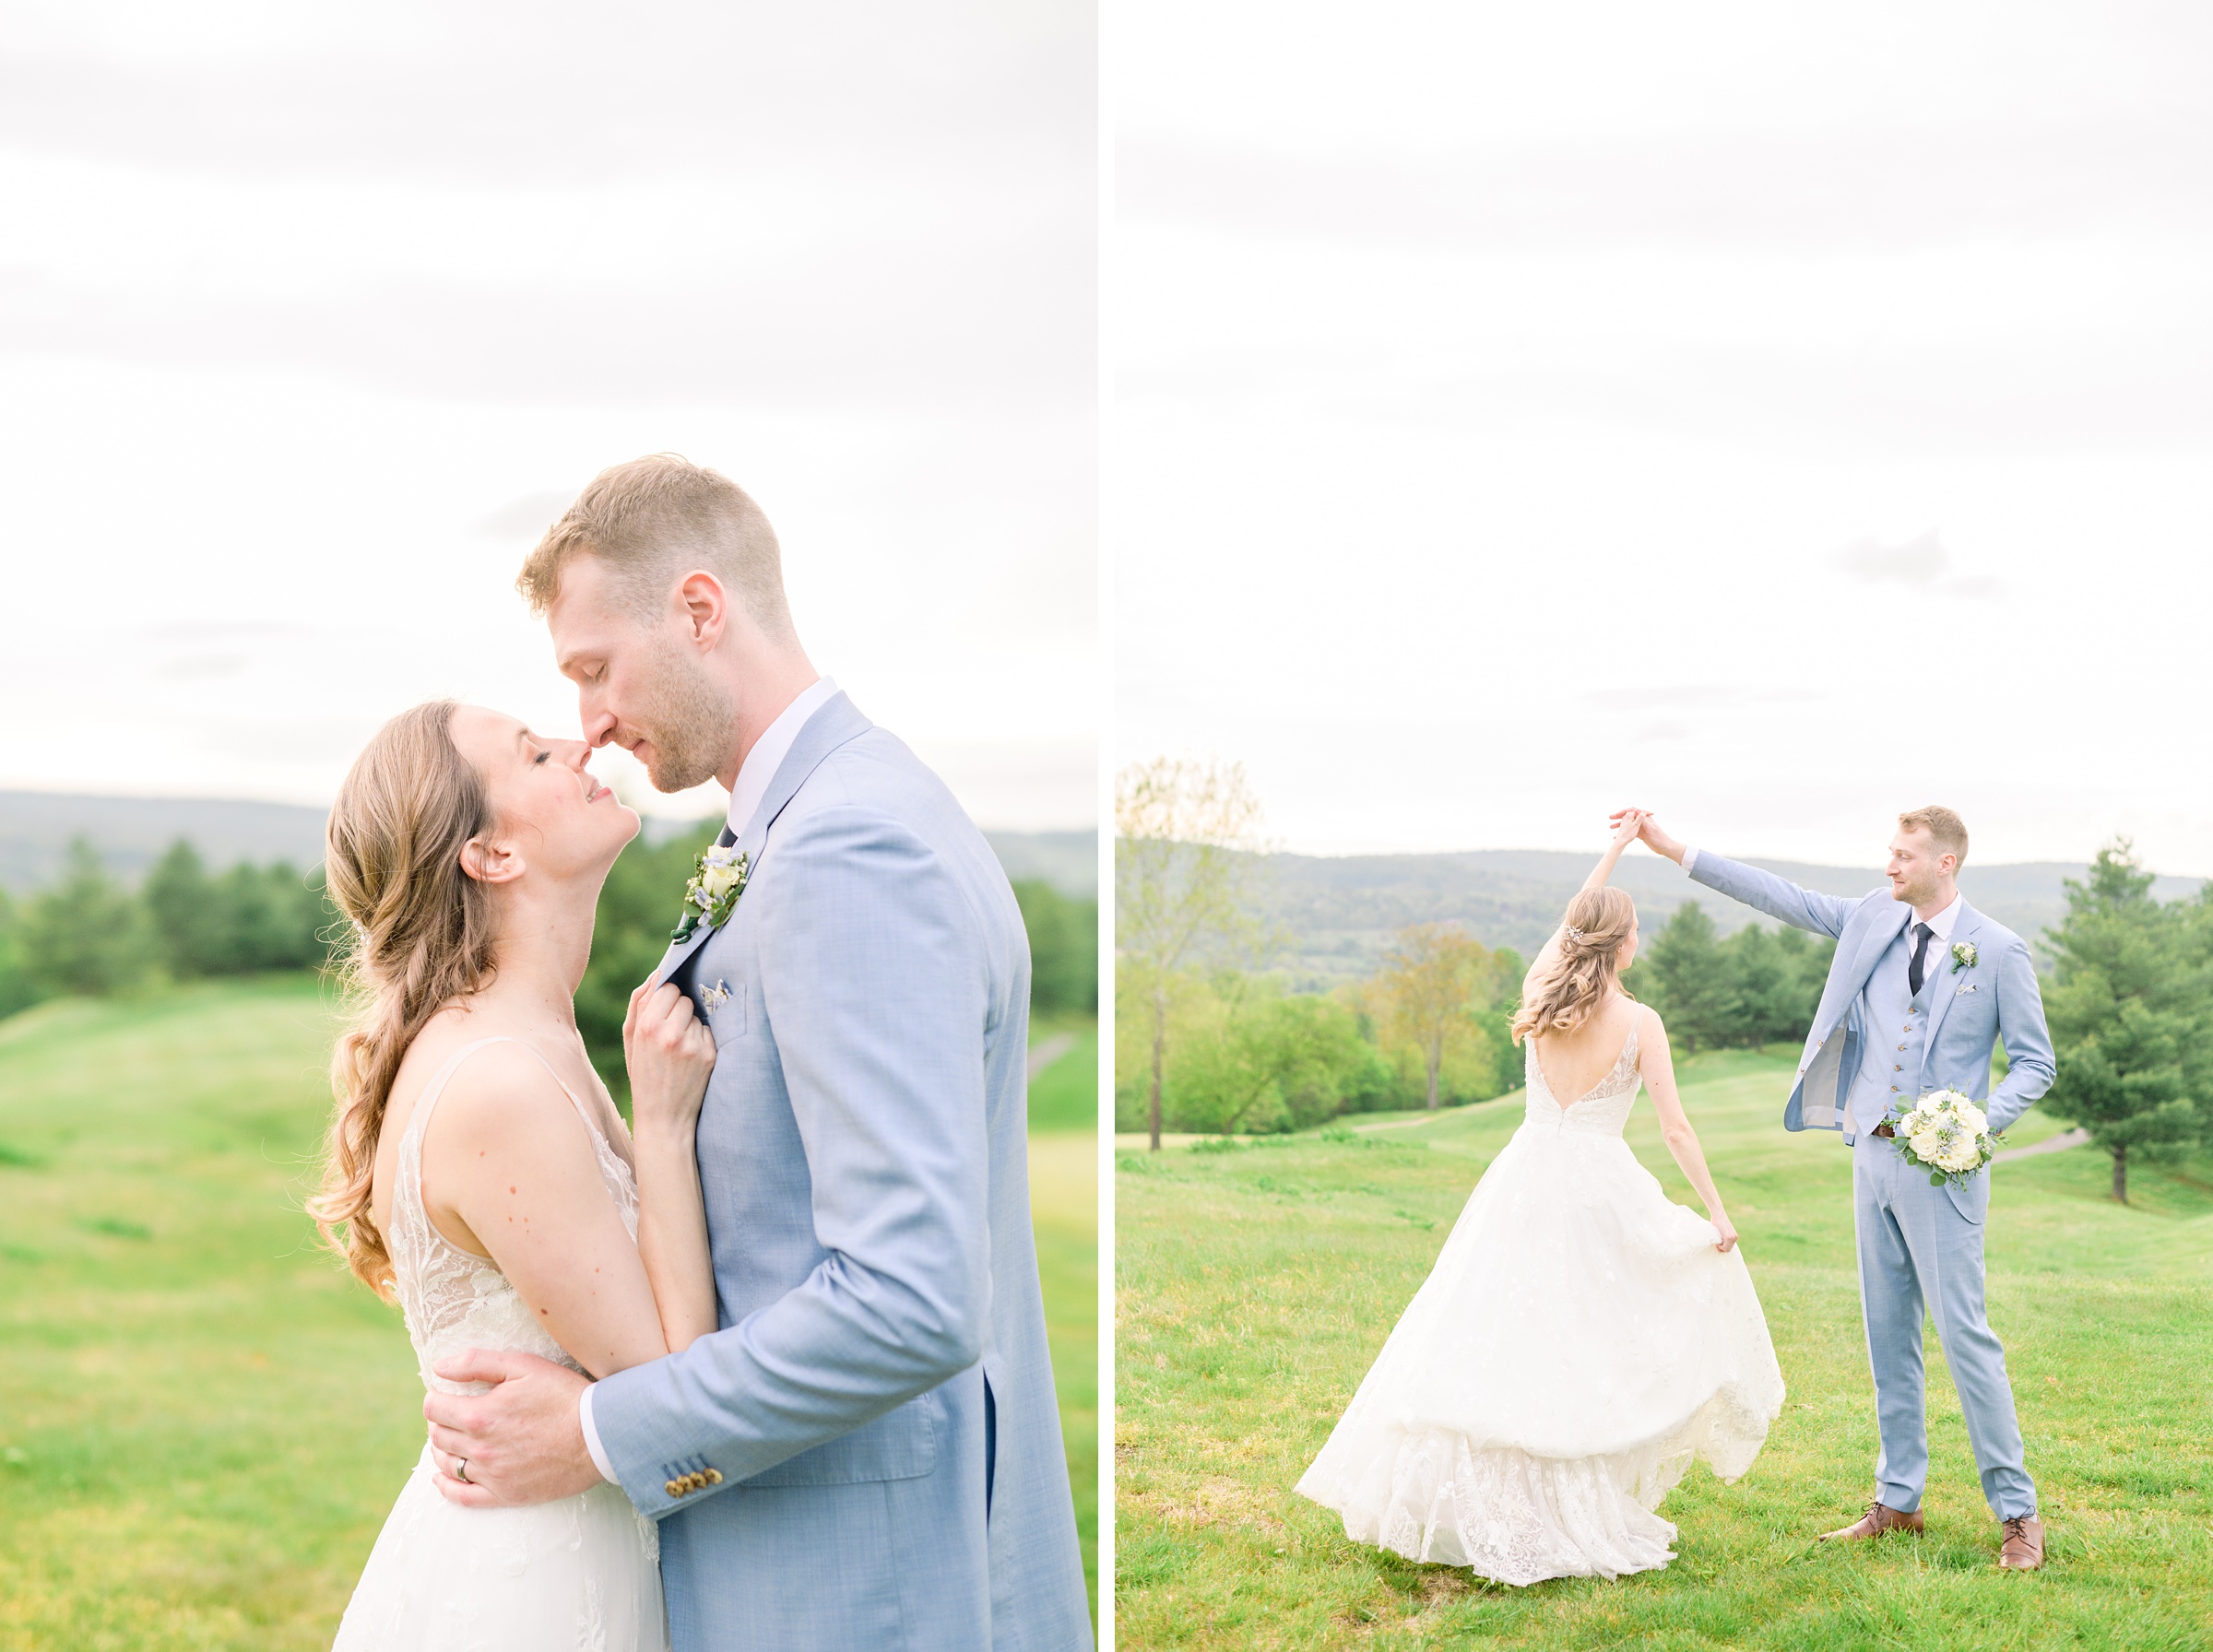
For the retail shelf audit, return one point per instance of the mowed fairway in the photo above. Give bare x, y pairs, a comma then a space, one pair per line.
203, 1419
1256, 1284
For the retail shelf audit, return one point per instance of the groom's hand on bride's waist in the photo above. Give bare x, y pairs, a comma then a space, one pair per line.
519, 1442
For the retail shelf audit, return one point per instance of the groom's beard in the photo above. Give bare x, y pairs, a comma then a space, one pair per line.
684, 716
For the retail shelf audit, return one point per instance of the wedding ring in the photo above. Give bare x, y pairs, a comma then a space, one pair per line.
461, 1472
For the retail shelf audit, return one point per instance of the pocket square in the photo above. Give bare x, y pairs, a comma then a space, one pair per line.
1965, 990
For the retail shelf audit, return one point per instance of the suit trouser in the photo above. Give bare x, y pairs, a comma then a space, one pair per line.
1916, 1246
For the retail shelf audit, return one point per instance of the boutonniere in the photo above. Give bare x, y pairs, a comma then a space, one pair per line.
718, 879
1963, 956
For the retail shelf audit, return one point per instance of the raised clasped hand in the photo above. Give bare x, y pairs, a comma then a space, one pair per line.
669, 1053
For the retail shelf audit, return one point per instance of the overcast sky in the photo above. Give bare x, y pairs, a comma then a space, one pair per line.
313, 317
1774, 417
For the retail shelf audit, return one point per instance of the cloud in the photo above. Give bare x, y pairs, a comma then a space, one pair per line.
1774, 190
528, 517
516, 93
1693, 696
852, 205
200, 668
1920, 564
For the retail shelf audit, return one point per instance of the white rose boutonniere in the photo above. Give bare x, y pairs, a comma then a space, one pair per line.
718, 879
1963, 956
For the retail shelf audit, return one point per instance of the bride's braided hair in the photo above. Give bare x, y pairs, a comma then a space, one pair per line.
422, 937
1599, 920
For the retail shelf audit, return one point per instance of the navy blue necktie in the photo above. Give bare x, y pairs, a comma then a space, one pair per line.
1919, 952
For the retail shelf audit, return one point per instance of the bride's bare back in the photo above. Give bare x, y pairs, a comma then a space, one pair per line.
1573, 1062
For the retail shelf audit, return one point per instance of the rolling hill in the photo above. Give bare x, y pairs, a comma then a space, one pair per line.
1338, 913
132, 832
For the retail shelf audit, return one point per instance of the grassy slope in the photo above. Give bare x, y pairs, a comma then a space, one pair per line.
202, 1420
1255, 1286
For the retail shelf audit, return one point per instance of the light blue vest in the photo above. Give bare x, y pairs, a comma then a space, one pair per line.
1895, 1024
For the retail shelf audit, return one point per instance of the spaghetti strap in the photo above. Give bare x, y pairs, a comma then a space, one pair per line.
436, 1088
574, 1100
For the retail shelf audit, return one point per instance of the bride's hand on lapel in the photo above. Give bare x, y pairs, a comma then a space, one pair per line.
669, 1053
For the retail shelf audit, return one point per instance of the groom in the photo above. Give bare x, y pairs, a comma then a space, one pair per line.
868, 1454
1921, 989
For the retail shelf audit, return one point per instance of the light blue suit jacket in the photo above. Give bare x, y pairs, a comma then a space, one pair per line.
819, 1465
1993, 999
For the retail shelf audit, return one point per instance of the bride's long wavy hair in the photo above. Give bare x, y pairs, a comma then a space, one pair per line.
420, 936
1569, 992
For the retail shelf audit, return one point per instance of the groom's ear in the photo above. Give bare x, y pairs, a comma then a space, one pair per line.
489, 861
705, 604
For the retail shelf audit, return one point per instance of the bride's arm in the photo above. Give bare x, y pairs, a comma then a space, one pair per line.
1654, 1060
510, 1172
1625, 833
670, 1055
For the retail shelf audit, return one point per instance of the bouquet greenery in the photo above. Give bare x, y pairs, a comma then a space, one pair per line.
1945, 1134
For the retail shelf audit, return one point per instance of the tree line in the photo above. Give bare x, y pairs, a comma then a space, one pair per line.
1206, 1042
88, 934
1244, 1053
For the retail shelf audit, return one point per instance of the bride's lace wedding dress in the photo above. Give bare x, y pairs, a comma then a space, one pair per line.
1578, 1343
582, 1575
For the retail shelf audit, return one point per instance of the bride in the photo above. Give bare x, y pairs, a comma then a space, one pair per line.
1582, 1337
478, 1171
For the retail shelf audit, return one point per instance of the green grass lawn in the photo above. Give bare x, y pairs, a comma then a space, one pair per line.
1256, 1284
203, 1419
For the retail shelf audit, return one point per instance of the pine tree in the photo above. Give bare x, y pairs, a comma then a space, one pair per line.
1686, 977
2131, 1016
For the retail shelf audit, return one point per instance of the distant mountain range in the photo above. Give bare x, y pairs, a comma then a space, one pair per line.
131, 833
1338, 912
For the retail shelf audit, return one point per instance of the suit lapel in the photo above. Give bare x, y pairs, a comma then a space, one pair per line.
1880, 937
835, 722
1970, 921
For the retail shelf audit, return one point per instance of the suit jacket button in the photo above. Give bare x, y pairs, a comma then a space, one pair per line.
712, 1477
675, 1488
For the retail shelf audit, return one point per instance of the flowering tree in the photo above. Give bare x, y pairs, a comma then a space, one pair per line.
1427, 992
1186, 838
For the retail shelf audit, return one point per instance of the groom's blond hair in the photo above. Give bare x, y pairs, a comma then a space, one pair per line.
1941, 823
655, 519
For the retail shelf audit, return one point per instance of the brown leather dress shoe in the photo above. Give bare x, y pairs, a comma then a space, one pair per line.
1879, 1519
2022, 1546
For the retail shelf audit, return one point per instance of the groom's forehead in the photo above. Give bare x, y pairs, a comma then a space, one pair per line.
582, 619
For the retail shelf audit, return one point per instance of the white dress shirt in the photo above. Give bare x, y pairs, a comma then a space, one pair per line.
753, 775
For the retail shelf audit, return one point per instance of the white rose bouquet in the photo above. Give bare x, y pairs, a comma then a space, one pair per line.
1945, 1134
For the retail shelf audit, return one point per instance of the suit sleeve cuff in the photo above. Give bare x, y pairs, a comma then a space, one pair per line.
1690, 858
591, 1436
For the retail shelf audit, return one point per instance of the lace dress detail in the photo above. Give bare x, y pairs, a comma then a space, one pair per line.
582, 1573
1577, 1345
